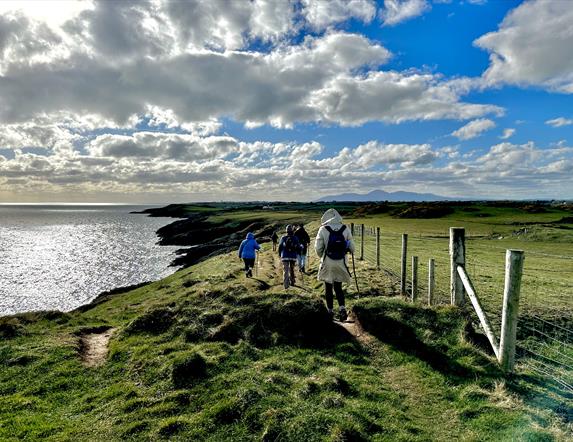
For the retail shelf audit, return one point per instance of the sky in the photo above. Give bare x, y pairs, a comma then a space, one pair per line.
178, 101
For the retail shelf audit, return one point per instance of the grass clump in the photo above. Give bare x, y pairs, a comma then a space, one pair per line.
188, 369
10, 328
154, 321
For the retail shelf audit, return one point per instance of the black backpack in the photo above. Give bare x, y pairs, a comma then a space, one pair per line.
291, 245
336, 247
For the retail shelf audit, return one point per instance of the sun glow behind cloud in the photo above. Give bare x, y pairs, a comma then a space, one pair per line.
55, 13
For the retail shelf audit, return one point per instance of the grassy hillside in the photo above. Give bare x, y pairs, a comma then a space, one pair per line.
206, 354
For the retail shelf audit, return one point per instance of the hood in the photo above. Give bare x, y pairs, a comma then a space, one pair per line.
331, 216
250, 236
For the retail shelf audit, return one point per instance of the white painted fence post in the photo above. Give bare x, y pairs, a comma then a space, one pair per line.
414, 278
513, 270
431, 281
403, 264
457, 258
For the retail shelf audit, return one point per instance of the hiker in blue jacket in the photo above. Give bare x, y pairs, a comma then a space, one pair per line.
247, 251
289, 249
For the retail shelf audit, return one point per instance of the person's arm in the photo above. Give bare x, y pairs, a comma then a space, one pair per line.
257, 246
241, 248
349, 240
281, 245
319, 243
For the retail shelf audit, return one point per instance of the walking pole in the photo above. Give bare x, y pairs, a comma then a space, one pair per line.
299, 259
355, 278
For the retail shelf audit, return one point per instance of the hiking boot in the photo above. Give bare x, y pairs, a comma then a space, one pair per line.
331, 315
342, 315
249, 273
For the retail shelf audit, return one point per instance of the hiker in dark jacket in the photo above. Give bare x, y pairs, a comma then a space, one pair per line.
275, 239
304, 241
247, 251
289, 248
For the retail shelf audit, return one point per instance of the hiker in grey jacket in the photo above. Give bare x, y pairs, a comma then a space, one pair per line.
333, 267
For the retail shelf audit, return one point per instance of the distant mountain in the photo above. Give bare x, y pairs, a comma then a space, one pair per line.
380, 195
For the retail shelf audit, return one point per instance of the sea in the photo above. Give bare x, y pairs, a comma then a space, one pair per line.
59, 257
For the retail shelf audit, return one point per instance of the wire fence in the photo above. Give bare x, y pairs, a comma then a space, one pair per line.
545, 326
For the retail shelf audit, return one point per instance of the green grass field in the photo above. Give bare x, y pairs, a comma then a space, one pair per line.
206, 354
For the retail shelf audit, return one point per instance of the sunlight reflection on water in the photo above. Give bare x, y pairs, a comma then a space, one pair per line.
52, 259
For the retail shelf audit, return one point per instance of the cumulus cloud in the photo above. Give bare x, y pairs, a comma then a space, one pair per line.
532, 47
181, 147
397, 11
321, 14
120, 30
507, 133
188, 64
473, 129
276, 170
33, 135
559, 122
393, 97
317, 80
28, 42
130, 97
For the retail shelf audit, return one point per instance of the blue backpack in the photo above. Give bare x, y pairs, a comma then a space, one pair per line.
336, 247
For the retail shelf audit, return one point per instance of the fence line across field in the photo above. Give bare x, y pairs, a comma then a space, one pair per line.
437, 279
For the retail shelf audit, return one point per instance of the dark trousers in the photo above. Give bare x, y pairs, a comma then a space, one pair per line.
249, 263
289, 279
330, 298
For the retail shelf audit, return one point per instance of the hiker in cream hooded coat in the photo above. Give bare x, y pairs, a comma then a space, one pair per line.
333, 271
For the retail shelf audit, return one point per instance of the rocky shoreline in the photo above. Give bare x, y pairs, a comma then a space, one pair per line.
200, 238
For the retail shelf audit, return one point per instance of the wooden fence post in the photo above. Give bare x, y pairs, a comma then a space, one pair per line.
457, 258
403, 264
361, 242
431, 281
513, 270
352, 228
378, 248
414, 278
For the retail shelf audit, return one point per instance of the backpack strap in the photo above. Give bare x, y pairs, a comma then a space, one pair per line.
330, 229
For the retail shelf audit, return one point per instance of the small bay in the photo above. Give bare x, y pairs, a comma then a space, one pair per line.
59, 257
